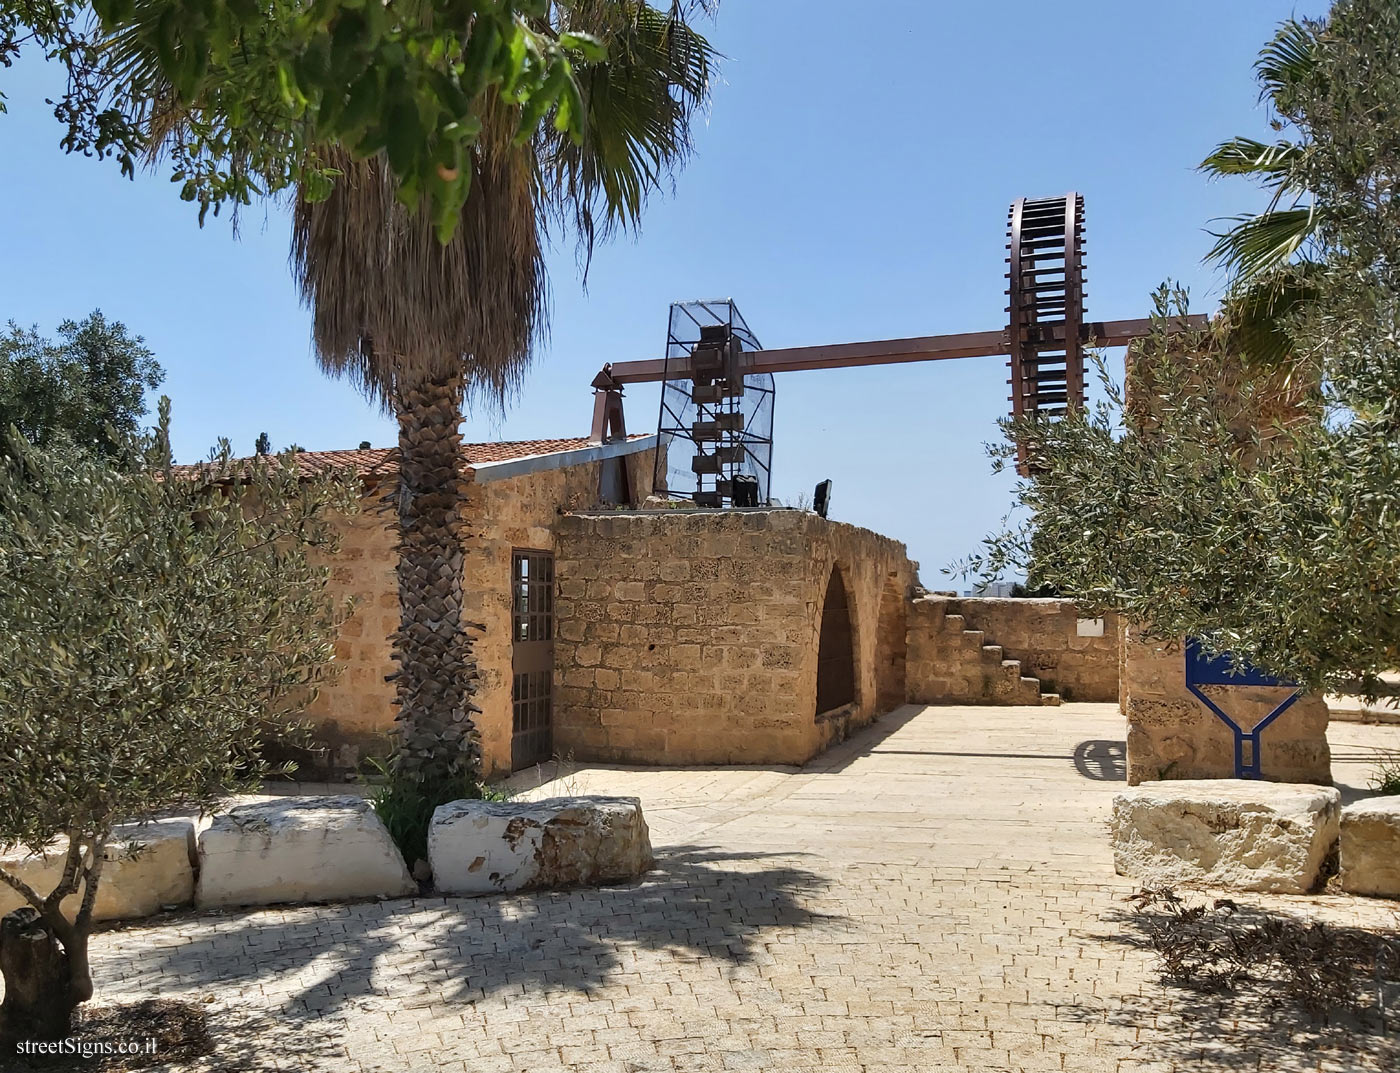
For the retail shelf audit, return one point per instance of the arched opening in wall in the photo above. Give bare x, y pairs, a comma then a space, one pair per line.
891, 649
836, 671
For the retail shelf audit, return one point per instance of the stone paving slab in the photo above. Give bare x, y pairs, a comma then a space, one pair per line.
935, 894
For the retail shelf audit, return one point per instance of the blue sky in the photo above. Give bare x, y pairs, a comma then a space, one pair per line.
851, 183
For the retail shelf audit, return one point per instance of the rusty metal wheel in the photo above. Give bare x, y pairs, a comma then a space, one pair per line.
1046, 306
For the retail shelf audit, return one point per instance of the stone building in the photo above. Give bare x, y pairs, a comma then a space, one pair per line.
653, 636
724, 636
516, 494
754, 636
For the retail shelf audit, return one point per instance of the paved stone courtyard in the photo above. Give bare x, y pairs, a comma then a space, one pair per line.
935, 894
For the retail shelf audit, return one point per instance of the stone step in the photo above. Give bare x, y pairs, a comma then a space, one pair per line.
1029, 689
954, 622
1051, 700
993, 654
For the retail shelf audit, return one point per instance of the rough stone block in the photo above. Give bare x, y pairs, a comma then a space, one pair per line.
1370, 847
1246, 835
489, 847
146, 868
299, 849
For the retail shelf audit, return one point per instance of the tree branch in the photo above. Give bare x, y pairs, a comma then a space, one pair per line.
25, 891
91, 878
69, 883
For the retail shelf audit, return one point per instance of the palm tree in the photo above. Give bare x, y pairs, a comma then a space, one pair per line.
424, 327
1268, 254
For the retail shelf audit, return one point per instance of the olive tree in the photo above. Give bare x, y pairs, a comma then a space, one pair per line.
1255, 504
87, 388
151, 620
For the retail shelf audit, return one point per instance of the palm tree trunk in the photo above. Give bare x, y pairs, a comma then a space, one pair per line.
436, 677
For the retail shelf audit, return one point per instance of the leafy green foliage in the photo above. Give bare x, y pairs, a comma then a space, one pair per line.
241, 95
86, 390
150, 619
1218, 503
406, 805
1257, 507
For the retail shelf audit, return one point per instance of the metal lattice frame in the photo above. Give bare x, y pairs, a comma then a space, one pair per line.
715, 426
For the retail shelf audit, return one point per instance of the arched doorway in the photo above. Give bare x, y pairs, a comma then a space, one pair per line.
891, 649
836, 672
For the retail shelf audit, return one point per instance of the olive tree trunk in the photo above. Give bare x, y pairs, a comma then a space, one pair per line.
44, 980
437, 674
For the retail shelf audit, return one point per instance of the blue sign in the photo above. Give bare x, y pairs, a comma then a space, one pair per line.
1222, 670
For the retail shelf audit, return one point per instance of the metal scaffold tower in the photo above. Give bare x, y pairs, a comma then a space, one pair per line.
716, 421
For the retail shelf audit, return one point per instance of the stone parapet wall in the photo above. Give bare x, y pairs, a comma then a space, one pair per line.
1044, 636
689, 637
950, 661
1172, 735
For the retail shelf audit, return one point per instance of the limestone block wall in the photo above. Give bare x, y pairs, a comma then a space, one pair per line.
1172, 735
354, 715
520, 512
689, 637
1044, 637
948, 662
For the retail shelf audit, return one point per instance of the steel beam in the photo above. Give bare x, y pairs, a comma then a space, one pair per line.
893, 351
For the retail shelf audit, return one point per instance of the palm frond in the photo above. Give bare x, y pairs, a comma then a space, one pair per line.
639, 107
1259, 317
1288, 61
1256, 245
1246, 156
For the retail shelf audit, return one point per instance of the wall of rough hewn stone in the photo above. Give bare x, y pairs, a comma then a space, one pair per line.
690, 637
1172, 735
519, 512
948, 663
1045, 637
353, 716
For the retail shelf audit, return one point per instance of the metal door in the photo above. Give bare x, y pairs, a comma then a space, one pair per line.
532, 657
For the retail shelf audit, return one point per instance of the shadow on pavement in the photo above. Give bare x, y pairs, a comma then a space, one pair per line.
320, 962
1102, 761
1257, 1024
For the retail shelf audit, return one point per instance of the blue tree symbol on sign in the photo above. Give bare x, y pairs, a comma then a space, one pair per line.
1203, 670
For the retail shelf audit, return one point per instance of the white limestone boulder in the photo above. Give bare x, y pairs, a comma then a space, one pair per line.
147, 868
1243, 834
1370, 848
489, 847
299, 849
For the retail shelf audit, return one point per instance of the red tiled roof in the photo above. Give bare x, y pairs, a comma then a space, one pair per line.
383, 461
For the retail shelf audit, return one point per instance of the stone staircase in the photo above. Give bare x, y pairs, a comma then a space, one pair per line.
973, 671
1003, 681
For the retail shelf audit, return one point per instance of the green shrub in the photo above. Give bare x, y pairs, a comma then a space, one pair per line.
406, 806
1386, 778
